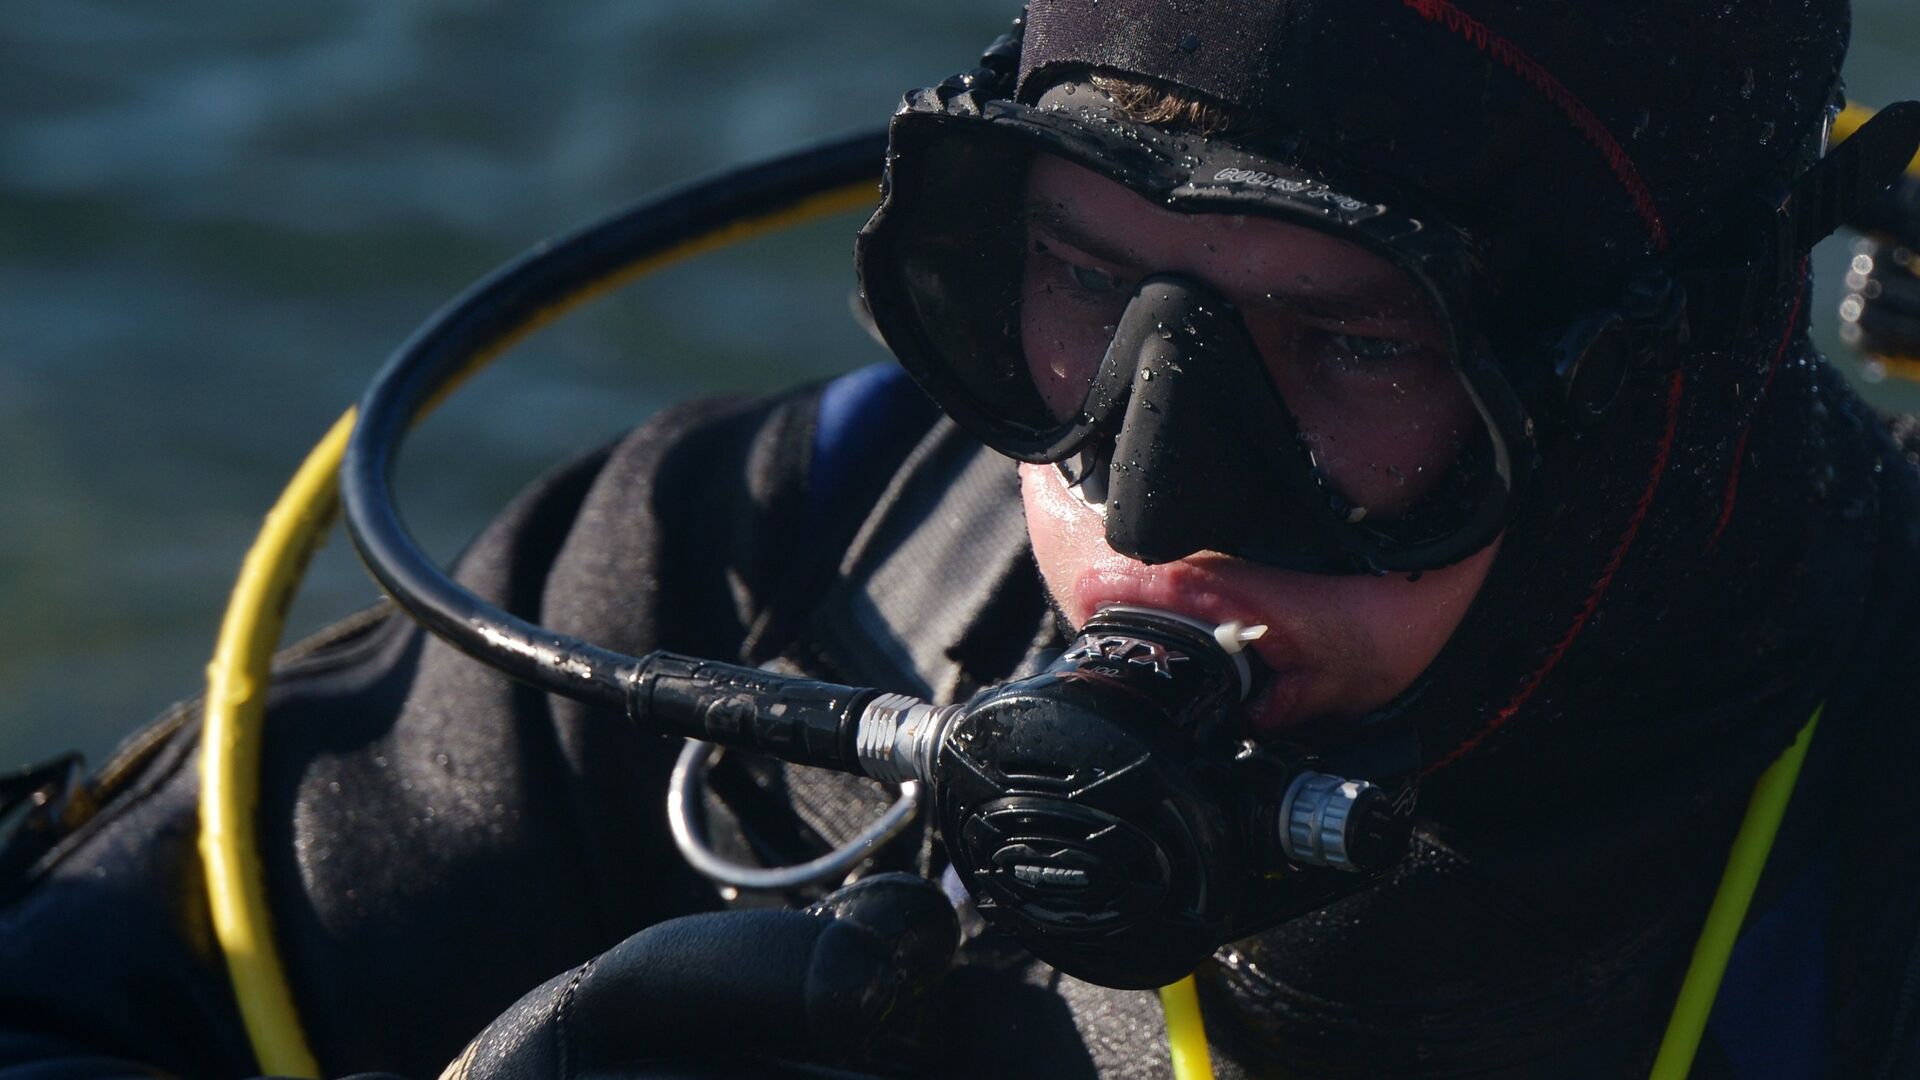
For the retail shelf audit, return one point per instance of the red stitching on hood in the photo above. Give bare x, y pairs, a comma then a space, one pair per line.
1537, 76
1740, 447
1662, 454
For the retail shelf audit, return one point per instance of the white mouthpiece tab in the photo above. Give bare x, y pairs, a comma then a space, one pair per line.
1234, 635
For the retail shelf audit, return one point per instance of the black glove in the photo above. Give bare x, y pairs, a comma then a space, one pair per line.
1881, 313
734, 993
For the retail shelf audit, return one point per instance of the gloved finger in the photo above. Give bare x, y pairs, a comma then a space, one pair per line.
826, 978
727, 985
913, 921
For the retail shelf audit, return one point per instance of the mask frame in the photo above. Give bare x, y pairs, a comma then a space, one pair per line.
939, 135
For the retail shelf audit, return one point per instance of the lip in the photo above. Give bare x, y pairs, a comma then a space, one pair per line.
1205, 590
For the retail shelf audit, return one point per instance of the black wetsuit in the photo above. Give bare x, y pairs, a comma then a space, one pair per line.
439, 840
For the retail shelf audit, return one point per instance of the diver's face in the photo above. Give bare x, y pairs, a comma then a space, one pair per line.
1339, 645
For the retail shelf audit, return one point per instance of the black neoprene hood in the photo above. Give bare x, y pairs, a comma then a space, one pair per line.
1401, 126
1578, 145
940, 261
1593, 131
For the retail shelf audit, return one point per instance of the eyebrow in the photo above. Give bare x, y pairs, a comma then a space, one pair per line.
1053, 218
1370, 298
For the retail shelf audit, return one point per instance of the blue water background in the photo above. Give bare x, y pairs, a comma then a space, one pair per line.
217, 219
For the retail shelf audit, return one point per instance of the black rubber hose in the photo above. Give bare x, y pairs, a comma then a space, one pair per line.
493, 312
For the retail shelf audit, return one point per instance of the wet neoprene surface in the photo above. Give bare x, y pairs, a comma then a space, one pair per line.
1455, 100
440, 842
1738, 541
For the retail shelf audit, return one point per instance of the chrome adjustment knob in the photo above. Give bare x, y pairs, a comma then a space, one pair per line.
1322, 817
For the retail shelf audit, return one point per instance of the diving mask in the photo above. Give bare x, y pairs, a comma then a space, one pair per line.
1221, 350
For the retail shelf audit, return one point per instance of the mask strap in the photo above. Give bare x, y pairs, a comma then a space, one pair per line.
1725, 301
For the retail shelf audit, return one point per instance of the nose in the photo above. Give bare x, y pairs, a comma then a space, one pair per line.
1185, 473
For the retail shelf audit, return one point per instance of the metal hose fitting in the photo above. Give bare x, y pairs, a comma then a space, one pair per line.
899, 735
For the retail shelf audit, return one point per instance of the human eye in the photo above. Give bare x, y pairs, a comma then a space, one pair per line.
1078, 276
1093, 280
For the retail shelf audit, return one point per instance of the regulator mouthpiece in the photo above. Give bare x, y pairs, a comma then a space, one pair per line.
1109, 813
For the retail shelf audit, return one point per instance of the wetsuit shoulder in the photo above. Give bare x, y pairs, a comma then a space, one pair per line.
437, 839
1874, 864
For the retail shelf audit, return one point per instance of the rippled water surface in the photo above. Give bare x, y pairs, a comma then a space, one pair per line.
216, 219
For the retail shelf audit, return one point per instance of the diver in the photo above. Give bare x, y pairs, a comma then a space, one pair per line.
1417, 391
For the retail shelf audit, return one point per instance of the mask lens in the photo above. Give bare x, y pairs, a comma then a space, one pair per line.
1020, 270
1354, 352
1363, 366
962, 265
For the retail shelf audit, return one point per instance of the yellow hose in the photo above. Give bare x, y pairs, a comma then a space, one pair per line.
230, 753
1730, 902
1904, 367
256, 613
238, 675
1187, 1037
1186, 1033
